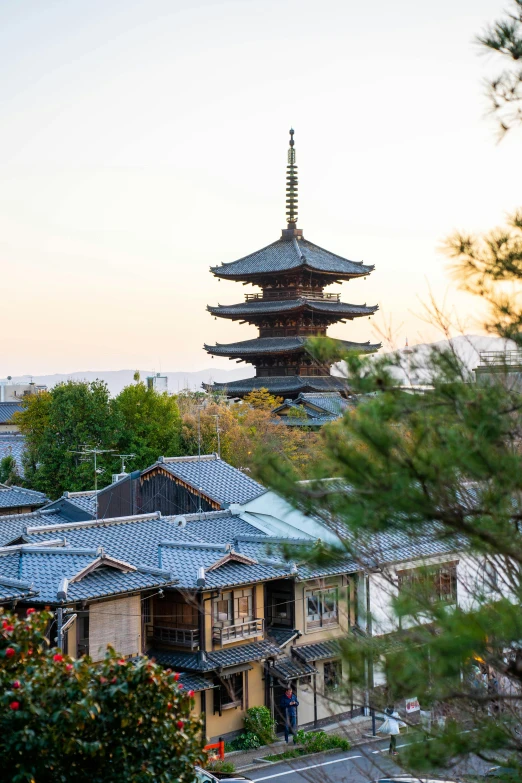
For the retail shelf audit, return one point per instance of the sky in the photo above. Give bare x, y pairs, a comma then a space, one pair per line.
143, 142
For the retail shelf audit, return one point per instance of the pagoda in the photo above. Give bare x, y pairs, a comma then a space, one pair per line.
292, 306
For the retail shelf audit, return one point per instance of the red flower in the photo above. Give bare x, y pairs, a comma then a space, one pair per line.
190, 694
114, 679
180, 686
179, 724
176, 676
122, 662
30, 611
29, 652
103, 680
9, 628
169, 705
58, 657
15, 705
16, 684
5, 624
69, 667
9, 652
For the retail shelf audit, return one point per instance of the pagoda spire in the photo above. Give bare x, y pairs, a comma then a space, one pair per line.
291, 185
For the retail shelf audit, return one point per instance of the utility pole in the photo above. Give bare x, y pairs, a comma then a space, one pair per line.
218, 438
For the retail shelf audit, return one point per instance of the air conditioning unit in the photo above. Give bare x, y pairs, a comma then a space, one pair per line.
118, 477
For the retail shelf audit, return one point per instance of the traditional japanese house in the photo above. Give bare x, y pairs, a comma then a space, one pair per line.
292, 307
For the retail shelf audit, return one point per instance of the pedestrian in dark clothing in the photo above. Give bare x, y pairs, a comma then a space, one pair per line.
289, 706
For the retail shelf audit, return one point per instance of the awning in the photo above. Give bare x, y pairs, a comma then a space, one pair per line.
230, 670
290, 669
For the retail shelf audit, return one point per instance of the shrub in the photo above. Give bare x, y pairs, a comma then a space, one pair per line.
221, 767
317, 741
258, 721
246, 741
75, 720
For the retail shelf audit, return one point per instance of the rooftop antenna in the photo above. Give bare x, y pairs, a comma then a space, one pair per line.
200, 509
291, 185
86, 452
123, 457
217, 433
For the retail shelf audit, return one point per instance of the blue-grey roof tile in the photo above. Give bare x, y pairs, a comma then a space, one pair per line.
216, 478
318, 651
217, 659
7, 411
288, 254
259, 307
16, 497
287, 669
271, 345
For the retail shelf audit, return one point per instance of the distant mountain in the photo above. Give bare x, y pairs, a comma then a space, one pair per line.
117, 379
467, 347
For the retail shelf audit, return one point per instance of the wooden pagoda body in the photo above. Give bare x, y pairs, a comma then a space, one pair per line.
292, 306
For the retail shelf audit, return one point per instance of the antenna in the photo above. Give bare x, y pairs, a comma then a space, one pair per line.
199, 460
123, 457
217, 433
94, 452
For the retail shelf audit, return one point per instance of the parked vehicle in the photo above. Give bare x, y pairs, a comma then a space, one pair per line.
204, 776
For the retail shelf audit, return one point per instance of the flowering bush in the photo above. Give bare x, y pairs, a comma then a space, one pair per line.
67, 720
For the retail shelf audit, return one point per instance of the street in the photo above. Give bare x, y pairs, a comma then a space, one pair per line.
365, 763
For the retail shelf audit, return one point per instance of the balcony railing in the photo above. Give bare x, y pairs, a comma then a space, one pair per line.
239, 631
500, 358
182, 637
270, 296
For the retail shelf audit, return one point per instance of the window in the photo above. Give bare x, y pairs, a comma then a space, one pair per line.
437, 583
322, 608
236, 607
333, 674
228, 692
223, 608
83, 634
281, 610
147, 613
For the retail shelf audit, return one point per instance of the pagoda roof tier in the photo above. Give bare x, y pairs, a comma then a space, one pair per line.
259, 307
265, 346
281, 385
291, 254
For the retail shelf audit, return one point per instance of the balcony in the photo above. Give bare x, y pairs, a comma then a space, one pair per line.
270, 296
237, 632
500, 358
181, 637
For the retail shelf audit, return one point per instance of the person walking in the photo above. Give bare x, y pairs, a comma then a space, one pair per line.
391, 726
289, 706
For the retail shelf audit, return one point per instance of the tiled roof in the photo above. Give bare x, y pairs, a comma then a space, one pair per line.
84, 500
218, 659
12, 526
8, 409
291, 669
281, 384
259, 307
45, 567
192, 682
331, 402
13, 444
287, 254
318, 651
315, 409
14, 497
270, 345
217, 479
281, 636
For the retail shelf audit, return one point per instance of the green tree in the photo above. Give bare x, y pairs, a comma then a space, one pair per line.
59, 423
113, 722
504, 37
9, 474
149, 424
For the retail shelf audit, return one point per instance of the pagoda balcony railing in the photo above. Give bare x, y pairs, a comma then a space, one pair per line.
270, 296
238, 631
181, 637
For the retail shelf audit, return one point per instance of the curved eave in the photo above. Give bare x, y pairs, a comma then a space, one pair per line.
281, 385
290, 255
217, 271
266, 346
256, 309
